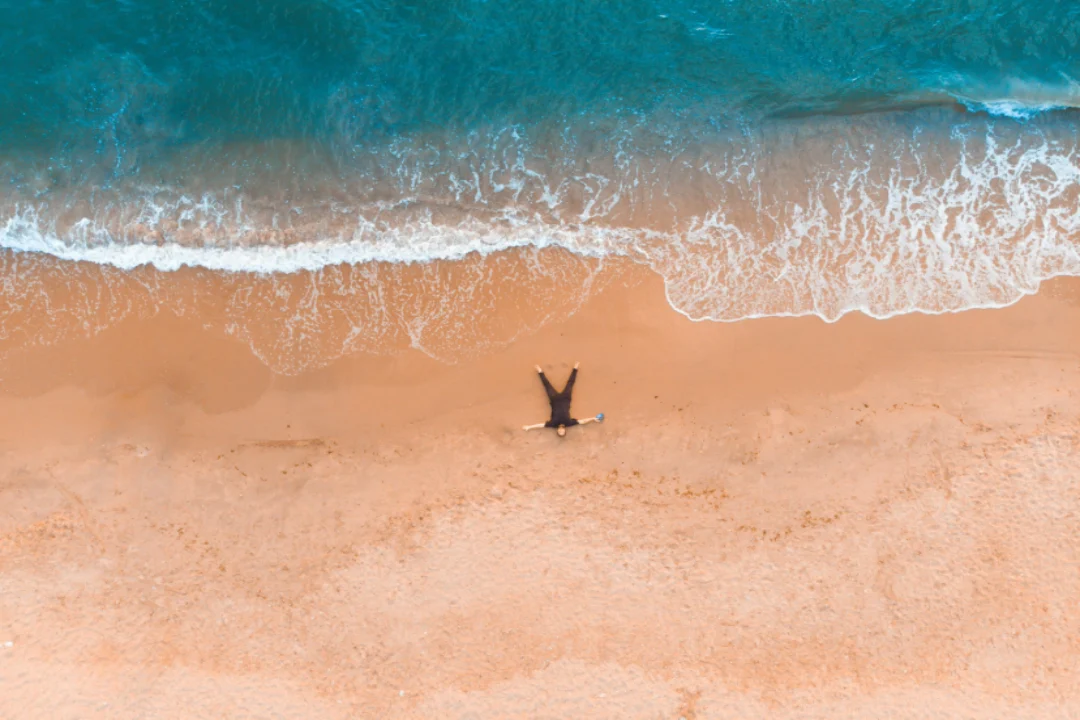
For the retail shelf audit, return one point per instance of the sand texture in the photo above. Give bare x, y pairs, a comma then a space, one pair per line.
779, 519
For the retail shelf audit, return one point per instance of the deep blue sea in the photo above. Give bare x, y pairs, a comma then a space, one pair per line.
778, 157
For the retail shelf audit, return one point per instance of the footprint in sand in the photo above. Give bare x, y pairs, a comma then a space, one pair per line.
128, 449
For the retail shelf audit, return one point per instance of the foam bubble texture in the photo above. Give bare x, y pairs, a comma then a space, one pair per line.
884, 215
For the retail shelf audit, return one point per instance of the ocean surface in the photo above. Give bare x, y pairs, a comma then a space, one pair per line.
311, 159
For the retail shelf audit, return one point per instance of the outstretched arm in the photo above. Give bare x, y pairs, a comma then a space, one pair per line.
537, 426
586, 421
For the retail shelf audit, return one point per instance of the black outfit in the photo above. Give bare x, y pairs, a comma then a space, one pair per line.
560, 402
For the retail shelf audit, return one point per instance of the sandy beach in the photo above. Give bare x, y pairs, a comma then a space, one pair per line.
779, 518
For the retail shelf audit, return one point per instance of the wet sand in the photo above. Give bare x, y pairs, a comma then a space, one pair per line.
780, 518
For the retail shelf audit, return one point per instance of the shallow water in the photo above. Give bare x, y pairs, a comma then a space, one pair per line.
765, 159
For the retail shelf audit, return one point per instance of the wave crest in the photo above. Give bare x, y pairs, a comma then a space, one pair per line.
836, 218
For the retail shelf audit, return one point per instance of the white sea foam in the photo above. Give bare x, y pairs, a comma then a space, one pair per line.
1015, 109
1020, 99
978, 231
419, 242
887, 225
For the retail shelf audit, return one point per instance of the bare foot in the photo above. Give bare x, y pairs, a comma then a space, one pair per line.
576, 364
539, 369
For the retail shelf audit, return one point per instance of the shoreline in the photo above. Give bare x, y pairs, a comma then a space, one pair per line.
197, 369
779, 517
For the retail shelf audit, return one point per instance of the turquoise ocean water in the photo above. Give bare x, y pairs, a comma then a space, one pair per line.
766, 158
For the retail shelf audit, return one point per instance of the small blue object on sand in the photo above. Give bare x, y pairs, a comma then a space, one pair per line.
600, 417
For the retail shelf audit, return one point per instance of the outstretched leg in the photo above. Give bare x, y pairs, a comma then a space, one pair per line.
570, 383
547, 386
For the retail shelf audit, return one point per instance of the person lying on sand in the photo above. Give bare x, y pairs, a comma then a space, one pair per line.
560, 405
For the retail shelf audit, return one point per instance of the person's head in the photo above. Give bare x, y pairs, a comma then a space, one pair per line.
561, 430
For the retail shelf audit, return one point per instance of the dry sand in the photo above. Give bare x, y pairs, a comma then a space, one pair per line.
780, 518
